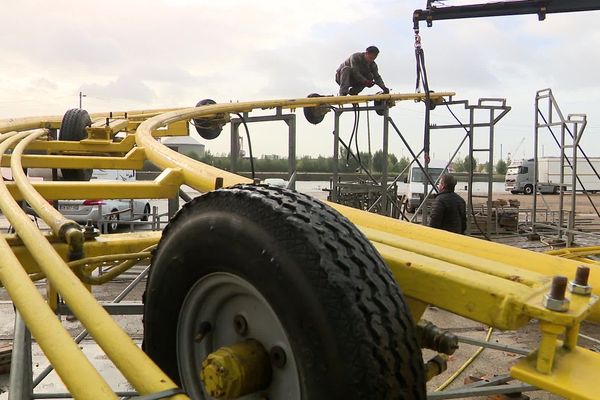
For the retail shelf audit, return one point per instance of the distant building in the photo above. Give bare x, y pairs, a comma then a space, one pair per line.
184, 145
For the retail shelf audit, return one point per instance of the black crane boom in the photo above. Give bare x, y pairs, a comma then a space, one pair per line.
502, 8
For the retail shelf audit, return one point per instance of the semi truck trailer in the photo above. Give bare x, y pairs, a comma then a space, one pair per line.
519, 176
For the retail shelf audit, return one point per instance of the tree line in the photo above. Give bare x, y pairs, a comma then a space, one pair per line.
347, 163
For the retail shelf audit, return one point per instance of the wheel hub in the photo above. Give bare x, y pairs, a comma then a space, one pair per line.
236, 370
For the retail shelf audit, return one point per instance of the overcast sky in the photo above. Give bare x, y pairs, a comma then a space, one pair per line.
170, 53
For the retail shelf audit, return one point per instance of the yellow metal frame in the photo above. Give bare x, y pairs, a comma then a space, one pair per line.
497, 285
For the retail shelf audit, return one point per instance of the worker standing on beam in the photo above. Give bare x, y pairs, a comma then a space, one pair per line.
359, 71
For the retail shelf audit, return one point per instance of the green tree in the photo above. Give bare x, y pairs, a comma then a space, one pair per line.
192, 154
501, 167
469, 164
400, 165
458, 166
378, 161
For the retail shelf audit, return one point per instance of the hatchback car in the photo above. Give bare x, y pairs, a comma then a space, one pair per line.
105, 214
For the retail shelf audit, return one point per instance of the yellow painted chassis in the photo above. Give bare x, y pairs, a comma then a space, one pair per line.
495, 284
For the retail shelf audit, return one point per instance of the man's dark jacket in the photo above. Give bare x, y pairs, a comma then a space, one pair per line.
448, 213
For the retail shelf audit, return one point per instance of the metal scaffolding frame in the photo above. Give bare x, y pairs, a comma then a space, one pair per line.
495, 109
548, 115
289, 119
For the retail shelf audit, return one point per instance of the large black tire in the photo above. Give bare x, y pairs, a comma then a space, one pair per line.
346, 320
72, 128
528, 190
146, 214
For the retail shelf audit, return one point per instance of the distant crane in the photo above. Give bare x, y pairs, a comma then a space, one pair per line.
509, 154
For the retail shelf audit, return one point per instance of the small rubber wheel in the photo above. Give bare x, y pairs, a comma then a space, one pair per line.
205, 128
528, 189
72, 128
281, 268
146, 214
113, 223
315, 115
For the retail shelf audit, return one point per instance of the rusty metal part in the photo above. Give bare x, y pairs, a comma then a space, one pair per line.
555, 300
433, 338
580, 284
236, 370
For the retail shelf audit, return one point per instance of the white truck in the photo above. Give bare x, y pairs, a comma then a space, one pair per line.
416, 180
519, 176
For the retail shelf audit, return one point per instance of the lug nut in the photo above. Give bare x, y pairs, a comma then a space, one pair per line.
240, 324
580, 284
555, 300
278, 357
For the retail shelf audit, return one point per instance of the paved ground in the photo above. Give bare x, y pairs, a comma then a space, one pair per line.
488, 364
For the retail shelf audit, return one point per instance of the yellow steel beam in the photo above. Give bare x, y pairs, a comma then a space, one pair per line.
491, 254
110, 337
105, 130
165, 186
117, 243
84, 146
134, 159
575, 375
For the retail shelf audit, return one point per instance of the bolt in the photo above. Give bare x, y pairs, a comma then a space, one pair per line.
89, 231
559, 285
580, 284
555, 300
582, 275
278, 357
240, 324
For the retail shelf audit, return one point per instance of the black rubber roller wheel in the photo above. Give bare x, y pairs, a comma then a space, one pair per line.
205, 128
283, 269
315, 115
72, 128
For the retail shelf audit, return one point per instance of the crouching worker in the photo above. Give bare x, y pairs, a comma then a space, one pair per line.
359, 71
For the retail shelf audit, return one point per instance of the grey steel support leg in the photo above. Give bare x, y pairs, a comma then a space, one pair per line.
291, 123
173, 206
336, 156
385, 204
234, 151
20, 384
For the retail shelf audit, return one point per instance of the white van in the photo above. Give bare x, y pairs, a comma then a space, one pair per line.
416, 180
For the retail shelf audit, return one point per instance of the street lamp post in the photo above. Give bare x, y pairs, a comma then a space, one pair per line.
81, 96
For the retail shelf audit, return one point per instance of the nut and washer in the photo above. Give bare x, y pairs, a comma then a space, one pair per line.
580, 284
555, 300
584, 290
556, 305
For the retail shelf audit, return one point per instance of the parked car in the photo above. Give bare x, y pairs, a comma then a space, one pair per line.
105, 214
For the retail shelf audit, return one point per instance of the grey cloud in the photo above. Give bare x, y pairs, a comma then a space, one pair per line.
124, 87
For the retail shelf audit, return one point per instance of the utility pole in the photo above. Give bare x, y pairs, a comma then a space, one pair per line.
81, 96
